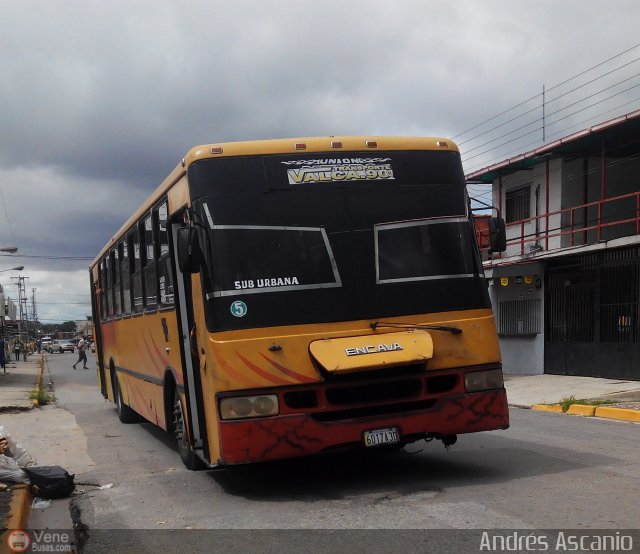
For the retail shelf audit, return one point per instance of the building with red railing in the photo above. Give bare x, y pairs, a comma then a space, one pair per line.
566, 292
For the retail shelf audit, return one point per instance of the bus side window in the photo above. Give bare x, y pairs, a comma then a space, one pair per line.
116, 290
109, 270
125, 277
165, 275
136, 270
104, 310
149, 270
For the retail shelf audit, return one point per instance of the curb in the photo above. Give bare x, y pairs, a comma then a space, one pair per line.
555, 408
618, 413
19, 511
581, 410
606, 412
36, 404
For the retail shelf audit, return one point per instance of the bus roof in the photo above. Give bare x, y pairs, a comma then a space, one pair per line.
316, 144
333, 144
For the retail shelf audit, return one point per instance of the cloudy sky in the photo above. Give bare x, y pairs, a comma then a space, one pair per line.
100, 100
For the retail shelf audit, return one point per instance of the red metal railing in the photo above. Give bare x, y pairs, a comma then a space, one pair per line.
572, 228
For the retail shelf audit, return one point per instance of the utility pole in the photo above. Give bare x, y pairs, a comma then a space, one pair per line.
22, 303
543, 115
34, 312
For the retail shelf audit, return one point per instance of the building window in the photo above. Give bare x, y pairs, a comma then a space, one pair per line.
518, 204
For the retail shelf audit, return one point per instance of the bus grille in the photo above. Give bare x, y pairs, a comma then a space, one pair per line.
369, 411
376, 392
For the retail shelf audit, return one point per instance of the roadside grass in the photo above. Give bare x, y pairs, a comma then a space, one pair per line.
567, 401
42, 396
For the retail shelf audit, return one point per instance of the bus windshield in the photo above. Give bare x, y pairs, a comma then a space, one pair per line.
271, 259
423, 250
280, 252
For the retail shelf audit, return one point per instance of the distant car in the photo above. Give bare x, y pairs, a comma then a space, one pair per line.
61, 346
45, 342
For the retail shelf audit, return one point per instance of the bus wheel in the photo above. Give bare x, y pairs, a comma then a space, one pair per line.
187, 455
125, 414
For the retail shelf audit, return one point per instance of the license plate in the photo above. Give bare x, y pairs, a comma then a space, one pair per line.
378, 437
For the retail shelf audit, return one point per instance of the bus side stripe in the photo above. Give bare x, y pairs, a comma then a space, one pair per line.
261, 372
237, 376
141, 376
289, 372
158, 360
161, 359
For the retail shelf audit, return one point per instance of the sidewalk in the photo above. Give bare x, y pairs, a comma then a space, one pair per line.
18, 382
16, 385
524, 391
580, 396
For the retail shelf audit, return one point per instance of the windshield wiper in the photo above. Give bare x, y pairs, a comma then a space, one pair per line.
453, 330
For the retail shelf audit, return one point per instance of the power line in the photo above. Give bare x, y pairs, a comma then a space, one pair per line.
530, 145
83, 258
65, 293
557, 120
64, 303
524, 126
547, 90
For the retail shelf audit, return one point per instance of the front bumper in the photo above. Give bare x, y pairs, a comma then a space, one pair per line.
293, 435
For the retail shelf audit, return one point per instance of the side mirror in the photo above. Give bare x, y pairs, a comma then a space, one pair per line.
189, 254
497, 235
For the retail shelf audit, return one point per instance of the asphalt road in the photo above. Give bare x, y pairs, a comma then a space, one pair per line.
548, 471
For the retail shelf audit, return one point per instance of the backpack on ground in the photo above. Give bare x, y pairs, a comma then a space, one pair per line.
50, 481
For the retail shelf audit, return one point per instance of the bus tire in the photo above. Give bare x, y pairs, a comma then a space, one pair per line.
187, 455
125, 413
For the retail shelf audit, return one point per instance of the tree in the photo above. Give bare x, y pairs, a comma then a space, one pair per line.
68, 327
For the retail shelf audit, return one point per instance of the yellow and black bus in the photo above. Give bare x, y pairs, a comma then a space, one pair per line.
282, 298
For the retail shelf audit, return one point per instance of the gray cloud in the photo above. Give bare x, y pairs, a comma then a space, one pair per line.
100, 100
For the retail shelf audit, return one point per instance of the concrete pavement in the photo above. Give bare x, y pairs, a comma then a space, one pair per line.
523, 391
18, 382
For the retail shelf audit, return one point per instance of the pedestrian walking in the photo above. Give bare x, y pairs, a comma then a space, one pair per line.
82, 355
16, 350
2, 360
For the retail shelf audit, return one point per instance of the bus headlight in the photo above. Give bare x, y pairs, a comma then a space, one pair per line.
239, 407
483, 380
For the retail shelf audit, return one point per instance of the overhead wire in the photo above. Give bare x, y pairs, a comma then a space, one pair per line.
495, 143
562, 132
547, 90
556, 121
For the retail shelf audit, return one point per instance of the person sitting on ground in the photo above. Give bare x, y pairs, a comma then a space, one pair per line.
82, 355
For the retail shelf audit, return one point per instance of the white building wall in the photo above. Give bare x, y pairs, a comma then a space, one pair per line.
555, 203
534, 178
521, 355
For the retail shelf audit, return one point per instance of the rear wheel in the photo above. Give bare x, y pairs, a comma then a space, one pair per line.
125, 414
187, 455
